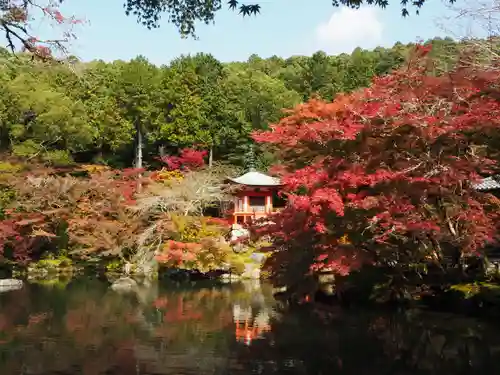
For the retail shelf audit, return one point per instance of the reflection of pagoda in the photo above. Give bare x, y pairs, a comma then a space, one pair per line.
248, 327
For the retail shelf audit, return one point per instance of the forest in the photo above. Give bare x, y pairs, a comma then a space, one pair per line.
91, 112
378, 152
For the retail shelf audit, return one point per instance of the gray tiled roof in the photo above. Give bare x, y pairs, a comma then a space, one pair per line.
488, 183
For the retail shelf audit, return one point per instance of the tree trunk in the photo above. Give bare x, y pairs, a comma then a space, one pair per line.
210, 157
161, 151
138, 155
138, 149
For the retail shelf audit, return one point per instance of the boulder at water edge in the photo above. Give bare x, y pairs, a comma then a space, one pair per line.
252, 271
10, 284
124, 284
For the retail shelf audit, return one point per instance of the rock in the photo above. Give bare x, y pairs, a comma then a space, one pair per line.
279, 289
229, 277
258, 257
127, 268
7, 285
124, 284
252, 271
437, 343
238, 231
239, 248
37, 272
326, 283
11, 282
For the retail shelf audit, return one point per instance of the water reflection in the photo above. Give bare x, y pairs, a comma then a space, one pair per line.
85, 328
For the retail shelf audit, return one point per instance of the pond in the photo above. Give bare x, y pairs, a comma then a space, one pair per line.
84, 327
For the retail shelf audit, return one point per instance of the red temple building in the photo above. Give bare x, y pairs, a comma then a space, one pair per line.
253, 198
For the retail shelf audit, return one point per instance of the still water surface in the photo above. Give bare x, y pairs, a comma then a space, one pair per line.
86, 328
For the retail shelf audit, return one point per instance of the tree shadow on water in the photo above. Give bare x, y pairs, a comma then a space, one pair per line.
357, 342
85, 328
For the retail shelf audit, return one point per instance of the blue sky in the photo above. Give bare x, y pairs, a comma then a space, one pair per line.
284, 28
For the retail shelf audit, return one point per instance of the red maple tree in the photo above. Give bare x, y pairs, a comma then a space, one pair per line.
94, 210
385, 174
188, 159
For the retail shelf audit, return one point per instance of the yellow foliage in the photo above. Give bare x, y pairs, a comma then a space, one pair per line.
6, 167
169, 176
344, 240
193, 229
95, 168
211, 256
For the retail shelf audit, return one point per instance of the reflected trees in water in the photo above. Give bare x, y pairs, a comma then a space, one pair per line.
362, 342
88, 329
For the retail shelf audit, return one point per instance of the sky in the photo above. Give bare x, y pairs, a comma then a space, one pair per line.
284, 28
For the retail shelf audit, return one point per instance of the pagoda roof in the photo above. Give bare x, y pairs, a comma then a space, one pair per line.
254, 178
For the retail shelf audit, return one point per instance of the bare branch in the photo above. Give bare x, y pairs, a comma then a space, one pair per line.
15, 18
190, 195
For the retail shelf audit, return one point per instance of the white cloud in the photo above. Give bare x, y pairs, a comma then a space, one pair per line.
350, 28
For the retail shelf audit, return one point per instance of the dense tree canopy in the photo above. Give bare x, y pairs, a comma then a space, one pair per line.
384, 176
95, 111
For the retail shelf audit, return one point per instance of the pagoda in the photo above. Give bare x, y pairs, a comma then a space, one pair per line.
253, 196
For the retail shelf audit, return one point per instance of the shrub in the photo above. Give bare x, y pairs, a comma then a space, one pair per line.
392, 167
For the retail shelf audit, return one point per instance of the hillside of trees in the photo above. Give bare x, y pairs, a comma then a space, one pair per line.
378, 179
99, 112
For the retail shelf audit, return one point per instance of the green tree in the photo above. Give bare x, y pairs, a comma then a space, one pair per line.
321, 77
115, 131
359, 69
212, 121
293, 72
271, 66
180, 104
44, 121
256, 100
90, 111
136, 91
